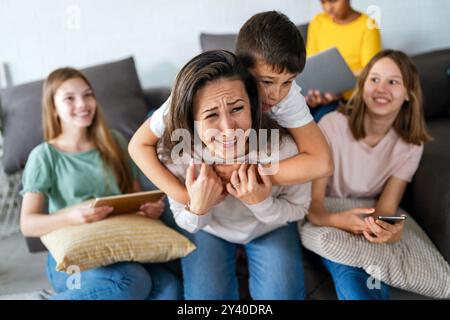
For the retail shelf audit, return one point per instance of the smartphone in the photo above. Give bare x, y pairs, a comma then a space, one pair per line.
392, 219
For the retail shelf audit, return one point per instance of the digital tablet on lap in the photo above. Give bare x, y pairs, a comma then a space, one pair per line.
326, 71
128, 203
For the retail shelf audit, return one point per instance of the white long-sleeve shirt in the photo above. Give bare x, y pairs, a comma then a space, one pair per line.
234, 220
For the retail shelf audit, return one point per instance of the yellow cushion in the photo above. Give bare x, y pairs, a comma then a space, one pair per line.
129, 237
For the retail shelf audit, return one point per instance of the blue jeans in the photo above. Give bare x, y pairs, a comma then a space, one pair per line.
119, 281
351, 283
320, 111
274, 262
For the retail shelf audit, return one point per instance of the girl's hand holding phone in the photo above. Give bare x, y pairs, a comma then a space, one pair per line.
382, 231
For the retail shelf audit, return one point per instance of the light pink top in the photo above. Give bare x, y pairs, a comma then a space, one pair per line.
361, 171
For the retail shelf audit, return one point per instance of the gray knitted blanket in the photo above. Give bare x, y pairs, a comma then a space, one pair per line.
413, 264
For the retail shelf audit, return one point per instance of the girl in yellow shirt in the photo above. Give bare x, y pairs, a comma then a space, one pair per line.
353, 33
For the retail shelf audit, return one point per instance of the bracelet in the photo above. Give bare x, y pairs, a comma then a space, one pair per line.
187, 207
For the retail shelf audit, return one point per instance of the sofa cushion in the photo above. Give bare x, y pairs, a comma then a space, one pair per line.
432, 67
210, 41
412, 264
118, 91
128, 237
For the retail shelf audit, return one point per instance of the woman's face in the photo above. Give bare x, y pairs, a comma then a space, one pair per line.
75, 103
384, 91
220, 108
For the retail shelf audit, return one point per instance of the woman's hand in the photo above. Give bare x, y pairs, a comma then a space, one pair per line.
245, 186
224, 171
383, 232
85, 214
152, 210
352, 221
205, 191
315, 98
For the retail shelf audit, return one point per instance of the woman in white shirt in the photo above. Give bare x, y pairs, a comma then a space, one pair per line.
231, 204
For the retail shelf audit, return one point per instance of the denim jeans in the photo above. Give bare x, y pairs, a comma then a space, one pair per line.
119, 281
274, 262
351, 283
319, 111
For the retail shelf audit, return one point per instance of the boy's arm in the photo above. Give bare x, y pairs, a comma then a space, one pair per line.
142, 149
314, 160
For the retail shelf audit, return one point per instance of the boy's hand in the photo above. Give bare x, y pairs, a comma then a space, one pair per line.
152, 210
245, 186
315, 98
204, 191
383, 232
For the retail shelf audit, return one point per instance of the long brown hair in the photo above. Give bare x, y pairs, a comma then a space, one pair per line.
109, 149
410, 122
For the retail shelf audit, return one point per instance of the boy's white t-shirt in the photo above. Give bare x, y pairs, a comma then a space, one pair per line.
291, 112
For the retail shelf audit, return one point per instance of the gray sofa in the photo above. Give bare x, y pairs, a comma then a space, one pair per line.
126, 105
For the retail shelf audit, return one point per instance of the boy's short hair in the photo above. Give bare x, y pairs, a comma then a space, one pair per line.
271, 36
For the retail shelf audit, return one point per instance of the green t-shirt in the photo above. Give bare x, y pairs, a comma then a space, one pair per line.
70, 178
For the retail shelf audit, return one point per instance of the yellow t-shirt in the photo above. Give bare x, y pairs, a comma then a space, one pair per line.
357, 41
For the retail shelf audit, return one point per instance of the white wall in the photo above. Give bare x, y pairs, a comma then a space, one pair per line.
38, 36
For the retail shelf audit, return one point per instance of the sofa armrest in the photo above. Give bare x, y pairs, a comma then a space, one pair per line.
428, 196
155, 97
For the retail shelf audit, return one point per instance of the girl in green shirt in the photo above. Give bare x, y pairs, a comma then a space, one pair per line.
81, 159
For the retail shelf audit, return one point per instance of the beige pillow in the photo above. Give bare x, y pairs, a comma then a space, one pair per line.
129, 237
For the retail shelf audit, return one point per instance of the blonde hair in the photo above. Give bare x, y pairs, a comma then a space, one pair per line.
109, 149
410, 122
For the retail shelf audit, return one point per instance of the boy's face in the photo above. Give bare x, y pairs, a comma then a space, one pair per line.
272, 86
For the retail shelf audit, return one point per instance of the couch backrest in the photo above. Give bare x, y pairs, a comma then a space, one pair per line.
117, 89
433, 68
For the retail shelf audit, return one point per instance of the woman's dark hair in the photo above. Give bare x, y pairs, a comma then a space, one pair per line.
202, 69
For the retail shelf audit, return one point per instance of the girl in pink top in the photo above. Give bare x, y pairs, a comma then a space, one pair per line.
377, 142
